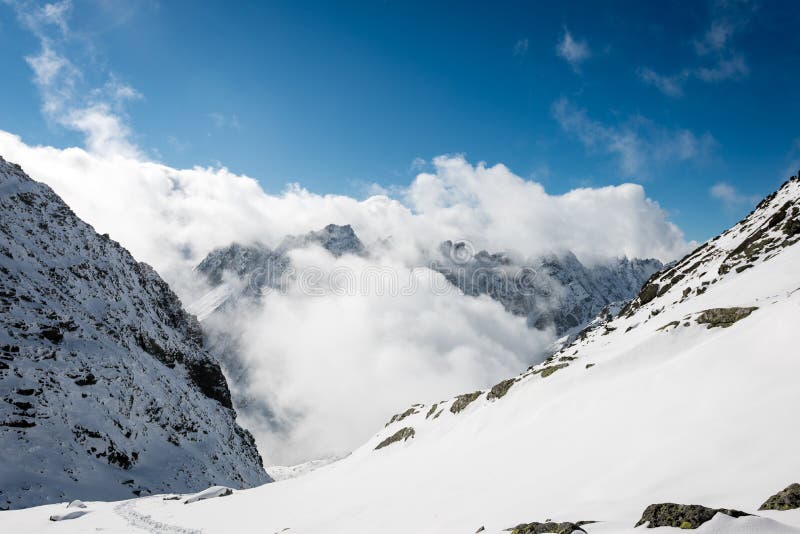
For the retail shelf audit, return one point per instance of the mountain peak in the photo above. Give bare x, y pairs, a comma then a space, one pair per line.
336, 239
101, 368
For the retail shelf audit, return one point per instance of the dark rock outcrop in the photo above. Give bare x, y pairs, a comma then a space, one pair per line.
462, 401
723, 317
550, 527
401, 435
786, 499
684, 516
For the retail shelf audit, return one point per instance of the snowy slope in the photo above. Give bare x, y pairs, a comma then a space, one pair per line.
105, 387
669, 402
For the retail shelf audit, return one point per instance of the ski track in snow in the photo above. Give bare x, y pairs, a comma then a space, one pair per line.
127, 511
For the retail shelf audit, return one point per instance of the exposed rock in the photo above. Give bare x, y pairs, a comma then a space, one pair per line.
552, 291
400, 416
88, 380
549, 527
786, 499
462, 401
685, 516
668, 325
499, 390
338, 240
108, 368
724, 317
431, 411
547, 371
402, 434
648, 293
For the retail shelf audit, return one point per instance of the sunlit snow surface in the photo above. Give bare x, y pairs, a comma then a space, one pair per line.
684, 414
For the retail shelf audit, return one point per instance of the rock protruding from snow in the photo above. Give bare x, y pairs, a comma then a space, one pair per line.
550, 527
786, 499
684, 516
211, 493
106, 389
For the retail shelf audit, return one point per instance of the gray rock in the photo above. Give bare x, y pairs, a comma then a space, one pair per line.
401, 435
684, 516
786, 499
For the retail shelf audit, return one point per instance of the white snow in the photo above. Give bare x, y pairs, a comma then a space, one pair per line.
210, 493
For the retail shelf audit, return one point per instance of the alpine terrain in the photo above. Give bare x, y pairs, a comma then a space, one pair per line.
675, 413
106, 389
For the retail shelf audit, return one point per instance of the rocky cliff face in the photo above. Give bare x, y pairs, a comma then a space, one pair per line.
106, 390
555, 291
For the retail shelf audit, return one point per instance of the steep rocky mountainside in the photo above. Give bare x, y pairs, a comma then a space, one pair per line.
555, 291
771, 227
106, 390
241, 273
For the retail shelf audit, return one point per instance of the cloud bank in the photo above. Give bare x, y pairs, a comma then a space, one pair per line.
172, 218
333, 367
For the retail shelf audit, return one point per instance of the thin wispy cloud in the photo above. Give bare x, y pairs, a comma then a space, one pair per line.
96, 112
669, 85
725, 69
716, 38
221, 120
730, 196
521, 47
572, 50
638, 143
719, 60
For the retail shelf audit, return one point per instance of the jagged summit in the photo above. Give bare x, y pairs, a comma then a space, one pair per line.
553, 291
106, 390
338, 240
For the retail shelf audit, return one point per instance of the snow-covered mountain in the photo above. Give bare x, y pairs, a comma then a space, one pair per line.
677, 413
555, 291
106, 389
238, 272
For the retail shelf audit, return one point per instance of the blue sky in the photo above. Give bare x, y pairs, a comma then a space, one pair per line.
696, 101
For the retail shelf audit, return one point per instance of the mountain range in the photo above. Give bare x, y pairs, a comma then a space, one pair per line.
671, 410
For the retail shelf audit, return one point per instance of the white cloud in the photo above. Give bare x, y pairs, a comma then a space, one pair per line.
720, 61
637, 143
335, 367
730, 196
221, 120
716, 37
573, 51
521, 47
97, 113
725, 69
172, 218
669, 85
